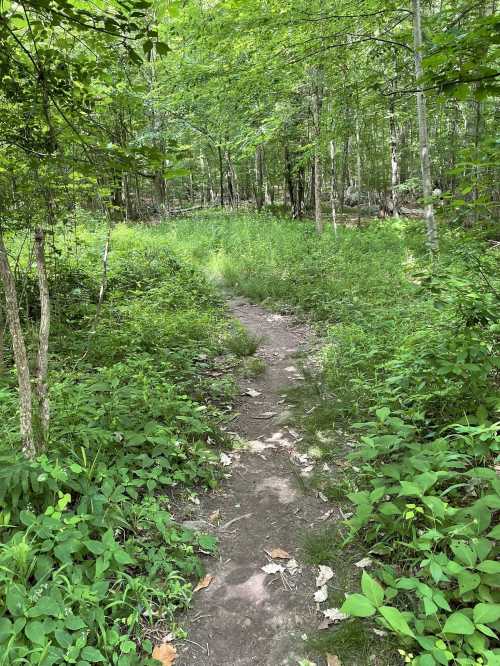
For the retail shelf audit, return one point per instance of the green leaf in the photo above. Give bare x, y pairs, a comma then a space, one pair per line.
207, 542
382, 413
358, 605
95, 547
458, 623
92, 654
35, 632
14, 600
468, 581
74, 623
425, 660
6, 629
489, 566
463, 553
486, 613
372, 589
45, 606
162, 48
486, 631
396, 620
122, 557
495, 533
429, 606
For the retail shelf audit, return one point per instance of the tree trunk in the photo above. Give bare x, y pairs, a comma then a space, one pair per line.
259, 177
289, 183
317, 101
358, 166
345, 173
299, 201
221, 176
20, 355
333, 178
160, 191
42, 365
395, 179
425, 162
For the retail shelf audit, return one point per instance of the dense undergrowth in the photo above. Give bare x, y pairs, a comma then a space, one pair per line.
411, 366
92, 560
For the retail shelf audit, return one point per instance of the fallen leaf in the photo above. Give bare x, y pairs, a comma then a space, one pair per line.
322, 496
364, 563
272, 568
265, 415
204, 582
300, 458
334, 615
326, 515
332, 660
165, 653
331, 615
214, 517
256, 446
225, 459
278, 554
321, 594
276, 437
325, 574
252, 393
292, 567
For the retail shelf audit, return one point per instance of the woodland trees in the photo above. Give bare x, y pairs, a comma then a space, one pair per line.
241, 79
142, 108
51, 92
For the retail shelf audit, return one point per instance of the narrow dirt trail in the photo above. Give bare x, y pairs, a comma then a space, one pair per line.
246, 616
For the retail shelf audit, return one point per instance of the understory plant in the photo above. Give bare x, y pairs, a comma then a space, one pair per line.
410, 366
94, 559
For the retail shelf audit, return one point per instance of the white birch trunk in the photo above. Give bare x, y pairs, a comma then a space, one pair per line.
42, 366
20, 355
332, 185
425, 162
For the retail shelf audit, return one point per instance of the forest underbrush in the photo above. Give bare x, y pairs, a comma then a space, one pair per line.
410, 379
93, 562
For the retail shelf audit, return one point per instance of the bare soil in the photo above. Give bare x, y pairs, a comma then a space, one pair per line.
247, 616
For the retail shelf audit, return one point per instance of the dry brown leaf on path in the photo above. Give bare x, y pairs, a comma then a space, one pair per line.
265, 415
204, 583
333, 660
278, 554
214, 517
165, 653
252, 393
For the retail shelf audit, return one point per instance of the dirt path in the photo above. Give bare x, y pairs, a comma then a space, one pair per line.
247, 616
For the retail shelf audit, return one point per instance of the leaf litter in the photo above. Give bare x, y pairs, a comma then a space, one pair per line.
205, 582
165, 653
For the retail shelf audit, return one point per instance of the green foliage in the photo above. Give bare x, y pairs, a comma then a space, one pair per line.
412, 352
240, 341
90, 552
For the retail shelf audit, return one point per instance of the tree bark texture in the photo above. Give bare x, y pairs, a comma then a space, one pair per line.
20, 355
425, 162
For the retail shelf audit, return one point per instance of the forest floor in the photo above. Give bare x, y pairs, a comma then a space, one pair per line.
246, 616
